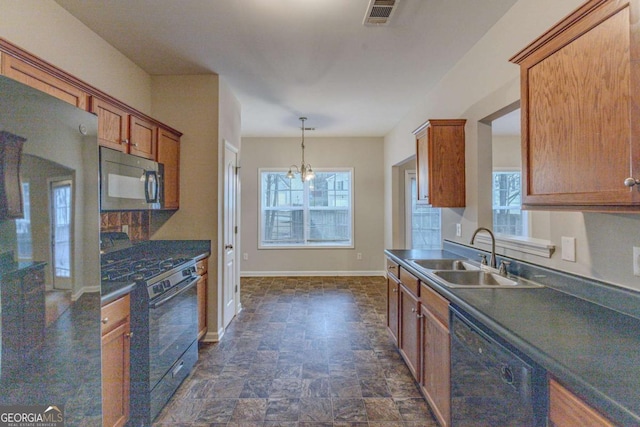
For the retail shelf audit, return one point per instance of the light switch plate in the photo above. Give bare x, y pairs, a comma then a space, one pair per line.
636, 260
458, 230
569, 249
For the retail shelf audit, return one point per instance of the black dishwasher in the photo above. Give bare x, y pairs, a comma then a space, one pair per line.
492, 384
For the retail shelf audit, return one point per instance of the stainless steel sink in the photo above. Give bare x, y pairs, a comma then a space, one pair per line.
481, 279
443, 264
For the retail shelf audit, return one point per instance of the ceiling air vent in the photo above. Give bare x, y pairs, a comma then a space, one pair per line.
379, 12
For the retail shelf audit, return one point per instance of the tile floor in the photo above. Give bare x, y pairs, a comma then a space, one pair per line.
305, 352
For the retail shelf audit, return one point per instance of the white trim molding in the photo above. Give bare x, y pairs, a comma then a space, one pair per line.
311, 273
529, 245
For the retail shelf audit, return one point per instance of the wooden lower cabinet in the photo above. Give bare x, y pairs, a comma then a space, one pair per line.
409, 337
201, 267
393, 290
568, 410
435, 354
116, 345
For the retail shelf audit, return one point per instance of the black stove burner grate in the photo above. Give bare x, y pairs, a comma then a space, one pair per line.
139, 269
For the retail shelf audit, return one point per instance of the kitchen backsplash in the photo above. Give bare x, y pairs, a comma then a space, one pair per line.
134, 223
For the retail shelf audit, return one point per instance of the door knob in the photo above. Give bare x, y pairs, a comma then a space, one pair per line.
228, 246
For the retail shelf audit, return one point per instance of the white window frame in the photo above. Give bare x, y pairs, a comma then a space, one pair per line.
307, 244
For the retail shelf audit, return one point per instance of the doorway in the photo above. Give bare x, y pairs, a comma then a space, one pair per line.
230, 270
61, 214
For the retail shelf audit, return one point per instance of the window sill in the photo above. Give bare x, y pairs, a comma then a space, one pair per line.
528, 245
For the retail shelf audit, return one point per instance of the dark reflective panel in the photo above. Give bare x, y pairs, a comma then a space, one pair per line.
50, 259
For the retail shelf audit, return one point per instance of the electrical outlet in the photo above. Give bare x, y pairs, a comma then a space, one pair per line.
245, 256
458, 230
125, 228
636, 260
359, 255
569, 249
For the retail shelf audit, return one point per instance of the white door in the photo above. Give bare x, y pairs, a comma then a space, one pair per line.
61, 233
230, 278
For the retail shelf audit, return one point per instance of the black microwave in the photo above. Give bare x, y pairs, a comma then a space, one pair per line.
129, 182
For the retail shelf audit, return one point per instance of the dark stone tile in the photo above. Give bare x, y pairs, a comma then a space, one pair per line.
288, 370
349, 410
374, 388
216, 411
285, 388
413, 409
256, 388
283, 410
382, 409
403, 388
344, 388
318, 387
315, 370
315, 410
249, 410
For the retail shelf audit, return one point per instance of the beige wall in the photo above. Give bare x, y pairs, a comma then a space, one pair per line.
48, 31
365, 156
202, 107
482, 83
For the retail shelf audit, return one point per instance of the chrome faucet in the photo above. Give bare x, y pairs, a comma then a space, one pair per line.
492, 261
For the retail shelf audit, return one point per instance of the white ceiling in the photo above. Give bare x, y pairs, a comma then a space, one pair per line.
289, 58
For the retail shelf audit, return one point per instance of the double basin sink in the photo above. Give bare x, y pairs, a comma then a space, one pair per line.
460, 273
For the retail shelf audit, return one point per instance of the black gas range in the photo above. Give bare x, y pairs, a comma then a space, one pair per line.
164, 322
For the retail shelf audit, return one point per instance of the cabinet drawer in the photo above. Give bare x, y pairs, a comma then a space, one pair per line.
114, 313
410, 281
436, 304
202, 266
392, 268
567, 409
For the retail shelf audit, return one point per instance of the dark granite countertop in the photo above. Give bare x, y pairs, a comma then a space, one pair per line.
19, 268
592, 349
196, 249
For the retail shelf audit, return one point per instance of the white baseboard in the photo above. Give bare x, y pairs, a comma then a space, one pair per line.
85, 290
310, 273
211, 336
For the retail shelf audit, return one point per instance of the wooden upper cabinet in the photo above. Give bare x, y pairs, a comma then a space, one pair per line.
142, 137
123, 131
580, 100
113, 124
30, 75
169, 156
440, 163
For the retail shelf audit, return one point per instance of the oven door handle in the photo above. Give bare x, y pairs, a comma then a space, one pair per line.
188, 286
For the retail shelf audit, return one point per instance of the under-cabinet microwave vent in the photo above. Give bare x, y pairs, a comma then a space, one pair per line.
379, 12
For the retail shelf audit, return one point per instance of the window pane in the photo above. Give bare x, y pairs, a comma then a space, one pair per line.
23, 226
311, 213
425, 223
330, 226
330, 189
507, 213
278, 190
283, 226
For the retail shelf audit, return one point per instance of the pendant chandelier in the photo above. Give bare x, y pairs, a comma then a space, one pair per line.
305, 171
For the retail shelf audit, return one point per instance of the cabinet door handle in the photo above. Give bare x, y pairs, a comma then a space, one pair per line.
135, 145
228, 246
105, 320
413, 310
125, 141
395, 290
128, 335
419, 316
630, 182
